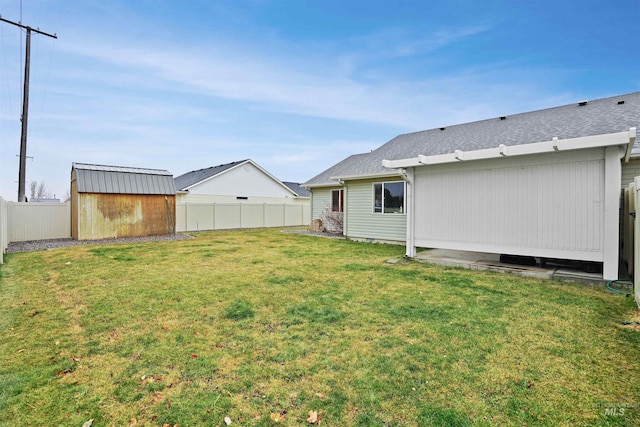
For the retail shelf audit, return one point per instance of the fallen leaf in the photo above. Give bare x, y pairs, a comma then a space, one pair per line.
88, 423
67, 263
165, 327
75, 359
194, 356
256, 416
276, 417
57, 342
227, 421
313, 417
21, 350
321, 396
133, 422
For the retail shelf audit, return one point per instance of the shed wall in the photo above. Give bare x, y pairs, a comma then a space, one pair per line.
549, 205
103, 216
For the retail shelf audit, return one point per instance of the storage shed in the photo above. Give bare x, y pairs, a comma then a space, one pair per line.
113, 201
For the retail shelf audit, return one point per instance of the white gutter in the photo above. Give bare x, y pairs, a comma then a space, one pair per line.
627, 138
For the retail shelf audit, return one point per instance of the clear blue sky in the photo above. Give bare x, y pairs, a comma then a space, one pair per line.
294, 85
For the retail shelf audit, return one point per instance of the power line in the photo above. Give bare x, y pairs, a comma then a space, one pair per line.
25, 105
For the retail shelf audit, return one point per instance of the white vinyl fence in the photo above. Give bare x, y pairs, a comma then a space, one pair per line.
21, 222
224, 216
634, 202
38, 221
4, 230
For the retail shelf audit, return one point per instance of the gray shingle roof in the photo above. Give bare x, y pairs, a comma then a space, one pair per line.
597, 117
296, 188
122, 180
184, 181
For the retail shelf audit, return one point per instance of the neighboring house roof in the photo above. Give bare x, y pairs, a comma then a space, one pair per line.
122, 180
297, 188
597, 117
185, 181
189, 179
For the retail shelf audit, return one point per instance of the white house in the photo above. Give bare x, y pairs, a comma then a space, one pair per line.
238, 195
545, 183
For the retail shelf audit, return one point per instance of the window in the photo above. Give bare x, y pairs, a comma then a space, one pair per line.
337, 200
388, 197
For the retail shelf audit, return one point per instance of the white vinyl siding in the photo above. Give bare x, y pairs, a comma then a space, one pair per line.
546, 205
363, 223
244, 180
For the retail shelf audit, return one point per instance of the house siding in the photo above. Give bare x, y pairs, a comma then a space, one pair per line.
548, 205
245, 180
321, 201
362, 223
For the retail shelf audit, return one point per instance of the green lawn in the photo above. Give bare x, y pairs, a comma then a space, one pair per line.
263, 326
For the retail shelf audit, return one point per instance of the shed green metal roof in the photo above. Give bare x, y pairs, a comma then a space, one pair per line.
122, 180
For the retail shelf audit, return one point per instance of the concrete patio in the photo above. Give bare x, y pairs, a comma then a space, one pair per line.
491, 262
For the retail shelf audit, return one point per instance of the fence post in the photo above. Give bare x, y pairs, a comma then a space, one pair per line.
636, 242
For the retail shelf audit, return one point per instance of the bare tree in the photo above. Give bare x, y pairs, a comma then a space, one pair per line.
39, 191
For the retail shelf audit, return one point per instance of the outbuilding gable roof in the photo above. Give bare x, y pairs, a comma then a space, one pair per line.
597, 117
92, 178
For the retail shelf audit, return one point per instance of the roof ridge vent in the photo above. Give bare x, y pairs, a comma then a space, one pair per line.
442, 128
503, 117
582, 103
621, 102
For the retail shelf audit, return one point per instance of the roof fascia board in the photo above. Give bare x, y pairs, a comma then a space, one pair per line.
360, 177
620, 138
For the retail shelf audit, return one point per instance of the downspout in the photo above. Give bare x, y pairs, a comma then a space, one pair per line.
408, 177
344, 207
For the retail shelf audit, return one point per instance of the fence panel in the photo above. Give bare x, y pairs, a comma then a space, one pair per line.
252, 216
227, 216
38, 221
4, 229
222, 216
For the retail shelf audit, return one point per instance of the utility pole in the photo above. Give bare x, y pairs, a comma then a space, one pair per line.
25, 106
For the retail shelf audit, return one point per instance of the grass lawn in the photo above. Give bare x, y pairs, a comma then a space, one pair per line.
262, 327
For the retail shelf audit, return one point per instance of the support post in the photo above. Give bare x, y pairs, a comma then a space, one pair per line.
612, 188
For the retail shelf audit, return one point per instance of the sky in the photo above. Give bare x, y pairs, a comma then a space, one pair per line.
294, 85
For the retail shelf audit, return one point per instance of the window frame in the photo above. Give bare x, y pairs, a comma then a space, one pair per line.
382, 184
340, 200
